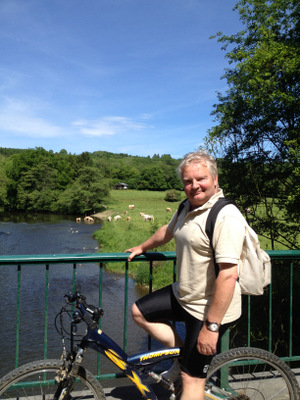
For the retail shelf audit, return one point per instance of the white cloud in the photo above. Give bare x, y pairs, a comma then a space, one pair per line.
20, 118
108, 126
26, 118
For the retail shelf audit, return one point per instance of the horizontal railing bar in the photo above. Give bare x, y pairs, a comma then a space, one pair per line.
94, 257
284, 254
117, 257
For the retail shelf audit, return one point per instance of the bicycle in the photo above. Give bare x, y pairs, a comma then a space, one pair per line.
237, 374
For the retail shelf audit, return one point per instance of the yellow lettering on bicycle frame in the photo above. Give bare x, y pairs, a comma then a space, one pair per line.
160, 353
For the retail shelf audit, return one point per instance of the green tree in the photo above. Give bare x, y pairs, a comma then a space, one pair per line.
3, 182
153, 178
85, 195
258, 117
30, 171
37, 188
35, 177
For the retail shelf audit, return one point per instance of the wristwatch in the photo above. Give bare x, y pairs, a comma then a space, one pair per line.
212, 326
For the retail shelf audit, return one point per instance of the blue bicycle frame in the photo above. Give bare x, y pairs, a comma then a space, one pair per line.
135, 367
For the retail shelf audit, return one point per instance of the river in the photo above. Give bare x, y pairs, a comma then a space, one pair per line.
53, 234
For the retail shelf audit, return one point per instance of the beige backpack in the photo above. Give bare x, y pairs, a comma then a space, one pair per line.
255, 273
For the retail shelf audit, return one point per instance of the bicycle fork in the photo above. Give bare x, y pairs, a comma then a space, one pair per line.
67, 375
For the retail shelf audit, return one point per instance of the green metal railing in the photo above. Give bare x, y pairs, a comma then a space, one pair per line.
290, 258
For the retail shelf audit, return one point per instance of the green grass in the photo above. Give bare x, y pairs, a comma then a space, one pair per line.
117, 236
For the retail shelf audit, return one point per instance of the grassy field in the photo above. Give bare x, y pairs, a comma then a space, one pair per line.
131, 230
146, 202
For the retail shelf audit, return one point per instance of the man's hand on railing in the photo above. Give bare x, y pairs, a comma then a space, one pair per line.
135, 251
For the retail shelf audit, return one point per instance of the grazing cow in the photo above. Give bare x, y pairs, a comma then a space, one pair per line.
117, 217
89, 220
131, 206
168, 209
128, 219
109, 219
148, 217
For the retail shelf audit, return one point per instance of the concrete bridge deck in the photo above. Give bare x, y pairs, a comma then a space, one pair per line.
132, 393
123, 389
126, 391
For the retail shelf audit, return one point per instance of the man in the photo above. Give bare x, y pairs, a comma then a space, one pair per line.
205, 302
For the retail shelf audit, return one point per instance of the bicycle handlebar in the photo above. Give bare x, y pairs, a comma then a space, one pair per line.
90, 313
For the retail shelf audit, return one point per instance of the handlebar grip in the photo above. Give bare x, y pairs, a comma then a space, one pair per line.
88, 320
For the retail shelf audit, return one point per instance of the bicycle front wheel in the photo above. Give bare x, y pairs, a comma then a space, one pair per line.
36, 380
248, 373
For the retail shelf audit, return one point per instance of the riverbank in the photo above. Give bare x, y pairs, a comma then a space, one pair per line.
132, 229
103, 215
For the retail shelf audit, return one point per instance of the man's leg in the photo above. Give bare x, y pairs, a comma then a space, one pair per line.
192, 388
163, 332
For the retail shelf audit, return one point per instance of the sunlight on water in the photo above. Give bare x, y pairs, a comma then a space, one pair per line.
55, 235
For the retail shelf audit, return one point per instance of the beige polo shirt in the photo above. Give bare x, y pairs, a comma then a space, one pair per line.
196, 272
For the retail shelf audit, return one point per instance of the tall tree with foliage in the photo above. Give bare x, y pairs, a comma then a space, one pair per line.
85, 195
258, 118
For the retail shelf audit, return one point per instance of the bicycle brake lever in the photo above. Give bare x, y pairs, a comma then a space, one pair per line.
71, 297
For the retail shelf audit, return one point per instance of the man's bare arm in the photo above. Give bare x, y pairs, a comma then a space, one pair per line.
225, 285
160, 237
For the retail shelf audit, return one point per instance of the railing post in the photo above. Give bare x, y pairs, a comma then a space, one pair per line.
100, 305
150, 291
291, 310
225, 341
74, 277
270, 314
174, 271
151, 276
125, 308
18, 316
249, 321
46, 312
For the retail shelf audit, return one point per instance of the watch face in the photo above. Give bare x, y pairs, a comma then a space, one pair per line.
214, 327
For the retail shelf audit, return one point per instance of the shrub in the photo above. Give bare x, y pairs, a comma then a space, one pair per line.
173, 195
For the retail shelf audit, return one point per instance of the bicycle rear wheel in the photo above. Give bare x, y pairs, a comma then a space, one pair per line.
36, 381
249, 373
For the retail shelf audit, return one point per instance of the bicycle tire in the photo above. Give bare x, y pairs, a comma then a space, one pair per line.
35, 380
247, 373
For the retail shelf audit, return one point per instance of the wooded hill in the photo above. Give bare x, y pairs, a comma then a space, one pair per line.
45, 181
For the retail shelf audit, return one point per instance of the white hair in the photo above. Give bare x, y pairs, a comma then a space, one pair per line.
199, 156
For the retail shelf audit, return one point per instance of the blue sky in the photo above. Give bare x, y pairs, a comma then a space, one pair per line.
125, 76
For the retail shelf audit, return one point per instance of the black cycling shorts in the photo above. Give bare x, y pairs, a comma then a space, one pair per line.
162, 306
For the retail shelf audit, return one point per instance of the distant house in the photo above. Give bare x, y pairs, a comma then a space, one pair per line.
121, 186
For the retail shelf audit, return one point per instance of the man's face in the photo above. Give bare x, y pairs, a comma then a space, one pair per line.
199, 185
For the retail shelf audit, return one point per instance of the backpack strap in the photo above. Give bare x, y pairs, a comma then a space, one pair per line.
181, 206
211, 220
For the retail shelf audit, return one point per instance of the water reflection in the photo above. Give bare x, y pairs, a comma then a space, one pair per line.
47, 234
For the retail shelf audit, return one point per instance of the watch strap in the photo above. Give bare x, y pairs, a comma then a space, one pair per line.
211, 324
